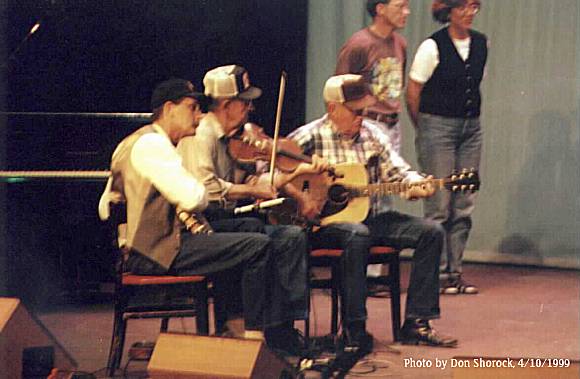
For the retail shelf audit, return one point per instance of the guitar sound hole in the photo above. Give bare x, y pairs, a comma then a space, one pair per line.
337, 201
338, 194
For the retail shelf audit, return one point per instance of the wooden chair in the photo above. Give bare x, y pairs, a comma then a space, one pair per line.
163, 286
378, 255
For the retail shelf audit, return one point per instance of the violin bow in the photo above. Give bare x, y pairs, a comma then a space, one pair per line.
277, 126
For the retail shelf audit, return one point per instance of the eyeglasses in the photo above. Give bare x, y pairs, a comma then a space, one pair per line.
245, 103
356, 112
473, 8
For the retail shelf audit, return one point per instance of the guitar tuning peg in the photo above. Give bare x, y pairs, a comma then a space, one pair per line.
454, 188
472, 187
464, 171
464, 187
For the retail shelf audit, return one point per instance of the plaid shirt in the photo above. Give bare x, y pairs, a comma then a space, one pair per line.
371, 147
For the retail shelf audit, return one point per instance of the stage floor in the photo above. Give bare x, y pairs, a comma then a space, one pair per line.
519, 312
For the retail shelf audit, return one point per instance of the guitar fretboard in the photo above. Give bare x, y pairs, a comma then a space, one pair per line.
385, 189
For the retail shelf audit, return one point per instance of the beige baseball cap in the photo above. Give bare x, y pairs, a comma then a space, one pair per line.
230, 81
350, 89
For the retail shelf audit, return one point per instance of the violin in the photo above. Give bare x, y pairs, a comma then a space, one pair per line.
251, 144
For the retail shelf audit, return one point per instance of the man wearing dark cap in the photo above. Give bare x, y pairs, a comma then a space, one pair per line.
206, 156
148, 176
343, 136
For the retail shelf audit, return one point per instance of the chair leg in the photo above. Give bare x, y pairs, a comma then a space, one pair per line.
118, 337
164, 324
115, 343
219, 308
307, 319
122, 333
334, 291
394, 274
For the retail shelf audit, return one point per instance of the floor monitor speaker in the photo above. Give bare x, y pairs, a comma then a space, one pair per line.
26, 346
191, 356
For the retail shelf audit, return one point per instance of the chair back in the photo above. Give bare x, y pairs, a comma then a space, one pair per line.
117, 222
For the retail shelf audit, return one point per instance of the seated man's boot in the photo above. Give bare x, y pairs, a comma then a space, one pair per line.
419, 332
286, 340
355, 339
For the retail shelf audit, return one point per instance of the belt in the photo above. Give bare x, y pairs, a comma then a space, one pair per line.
390, 119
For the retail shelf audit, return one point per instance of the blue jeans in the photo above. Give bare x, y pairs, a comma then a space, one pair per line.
445, 144
289, 290
237, 262
287, 276
393, 229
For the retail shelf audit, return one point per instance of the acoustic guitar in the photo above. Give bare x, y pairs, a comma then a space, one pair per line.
344, 195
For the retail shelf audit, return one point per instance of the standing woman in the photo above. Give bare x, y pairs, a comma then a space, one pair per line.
444, 103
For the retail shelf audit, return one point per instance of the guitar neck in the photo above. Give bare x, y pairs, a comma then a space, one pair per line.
385, 189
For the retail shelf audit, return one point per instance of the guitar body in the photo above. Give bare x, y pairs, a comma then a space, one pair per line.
331, 193
341, 205
344, 196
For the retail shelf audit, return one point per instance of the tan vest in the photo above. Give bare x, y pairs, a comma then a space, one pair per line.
152, 226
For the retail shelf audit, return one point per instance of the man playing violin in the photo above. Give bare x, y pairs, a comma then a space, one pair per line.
147, 175
341, 136
207, 157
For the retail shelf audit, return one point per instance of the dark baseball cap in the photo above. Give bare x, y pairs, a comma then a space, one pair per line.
173, 90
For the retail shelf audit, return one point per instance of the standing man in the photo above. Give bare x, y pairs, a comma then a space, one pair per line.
148, 176
343, 136
379, 54
208, 158
444, 102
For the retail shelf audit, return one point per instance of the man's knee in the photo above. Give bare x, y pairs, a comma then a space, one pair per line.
438, 212
258, 245
298, 235
289, 239
434, 231
285, 231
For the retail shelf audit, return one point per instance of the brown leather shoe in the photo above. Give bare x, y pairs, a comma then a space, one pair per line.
419, 332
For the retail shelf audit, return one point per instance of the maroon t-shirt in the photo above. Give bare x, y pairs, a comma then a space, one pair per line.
381, 61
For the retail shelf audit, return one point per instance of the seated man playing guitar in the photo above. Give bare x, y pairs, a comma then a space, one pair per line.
342, 136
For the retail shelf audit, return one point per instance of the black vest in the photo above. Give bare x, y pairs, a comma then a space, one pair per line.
453, 89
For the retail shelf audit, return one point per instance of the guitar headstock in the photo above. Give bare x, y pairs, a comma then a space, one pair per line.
464, 181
